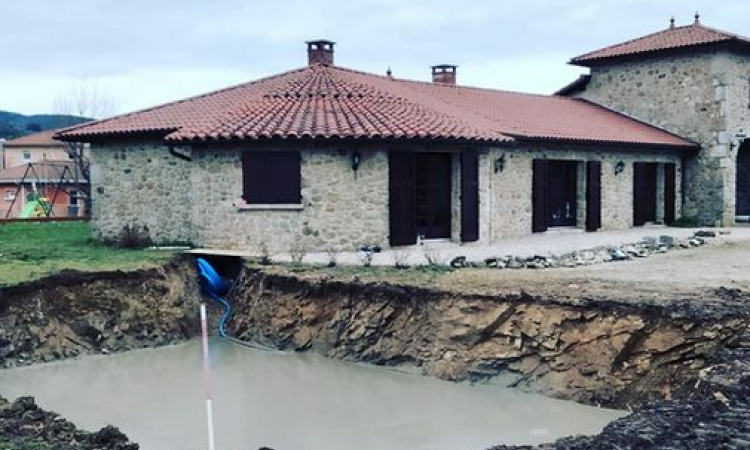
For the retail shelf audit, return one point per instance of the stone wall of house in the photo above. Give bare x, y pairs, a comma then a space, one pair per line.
505, 196
702, 96
340, 209
199, 201
141, 185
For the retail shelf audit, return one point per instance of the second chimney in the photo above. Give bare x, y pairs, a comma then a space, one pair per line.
320, 52
444, 73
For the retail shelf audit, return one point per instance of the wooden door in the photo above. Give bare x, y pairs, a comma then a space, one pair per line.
433, 195
743, 181
539, 196
469, 196
670, 192
644, 193
593, 195
562, 197
402, 199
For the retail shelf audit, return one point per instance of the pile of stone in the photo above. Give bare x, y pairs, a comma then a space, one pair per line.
24, 425
648, 246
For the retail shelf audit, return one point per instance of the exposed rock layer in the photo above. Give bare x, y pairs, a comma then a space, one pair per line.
610, 353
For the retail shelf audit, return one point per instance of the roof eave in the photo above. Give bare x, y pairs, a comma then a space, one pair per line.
156, 134
347, 139
687, 147
735, 44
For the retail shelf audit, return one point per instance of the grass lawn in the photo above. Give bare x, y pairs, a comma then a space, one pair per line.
33, 250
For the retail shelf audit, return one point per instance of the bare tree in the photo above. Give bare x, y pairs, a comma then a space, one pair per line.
83, 101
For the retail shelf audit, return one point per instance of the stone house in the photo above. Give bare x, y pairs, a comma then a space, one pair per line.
339, 158
693, 81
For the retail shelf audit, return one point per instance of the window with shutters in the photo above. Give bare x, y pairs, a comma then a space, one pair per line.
271, 178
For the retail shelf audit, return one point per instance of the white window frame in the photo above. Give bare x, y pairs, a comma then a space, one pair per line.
10, 195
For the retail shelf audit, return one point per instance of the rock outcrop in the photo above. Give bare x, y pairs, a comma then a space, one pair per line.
23, 425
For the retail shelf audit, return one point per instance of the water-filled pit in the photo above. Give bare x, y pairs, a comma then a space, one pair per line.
290, 401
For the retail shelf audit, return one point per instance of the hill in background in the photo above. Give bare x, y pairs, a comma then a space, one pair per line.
13, 125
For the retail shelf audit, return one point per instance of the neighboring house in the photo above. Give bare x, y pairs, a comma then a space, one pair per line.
32, 148
50, 180
48, 157
342, 158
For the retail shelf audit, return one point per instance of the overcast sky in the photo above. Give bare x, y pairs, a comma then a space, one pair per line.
145, 52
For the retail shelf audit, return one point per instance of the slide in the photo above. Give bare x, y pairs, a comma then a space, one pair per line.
35, 208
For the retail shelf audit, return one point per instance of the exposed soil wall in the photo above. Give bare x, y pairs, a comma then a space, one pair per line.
76, 313
598, 352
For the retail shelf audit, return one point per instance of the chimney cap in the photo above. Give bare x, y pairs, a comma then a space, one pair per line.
320, 51
444, 73
320, 41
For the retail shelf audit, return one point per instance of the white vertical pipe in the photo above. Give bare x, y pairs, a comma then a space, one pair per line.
207, 379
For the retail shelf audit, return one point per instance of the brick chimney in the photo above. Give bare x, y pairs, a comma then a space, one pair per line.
444, 73
320, 52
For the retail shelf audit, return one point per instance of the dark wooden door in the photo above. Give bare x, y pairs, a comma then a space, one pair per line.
402, 199
743, 180
593, 195
433, 195
469, 196
562, 195
644, 193
539, 196
670, 192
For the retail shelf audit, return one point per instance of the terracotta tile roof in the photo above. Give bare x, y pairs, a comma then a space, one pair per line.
41, 139
47, 171
322, 101
669, 39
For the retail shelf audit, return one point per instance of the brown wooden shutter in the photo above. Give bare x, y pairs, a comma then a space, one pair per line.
539, 215
402, 198
670, 187
469, 196
271, 177
638, 219
593, 195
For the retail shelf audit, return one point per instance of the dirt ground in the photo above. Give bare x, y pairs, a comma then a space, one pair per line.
683, 274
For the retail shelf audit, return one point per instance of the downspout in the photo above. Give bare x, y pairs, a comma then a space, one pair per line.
178, 155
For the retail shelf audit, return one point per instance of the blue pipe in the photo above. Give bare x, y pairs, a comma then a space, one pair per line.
216, 288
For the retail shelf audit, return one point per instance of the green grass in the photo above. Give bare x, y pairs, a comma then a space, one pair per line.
30, 251
423, 276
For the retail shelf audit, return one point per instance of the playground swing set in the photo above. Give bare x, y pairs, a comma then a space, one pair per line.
38, 205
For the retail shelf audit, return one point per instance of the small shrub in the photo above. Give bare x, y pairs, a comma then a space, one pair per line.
332, 253
366, 253
265, 253
298, 250
434, 256
400, 259
134, 236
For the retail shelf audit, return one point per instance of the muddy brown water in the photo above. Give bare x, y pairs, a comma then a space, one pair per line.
290, 402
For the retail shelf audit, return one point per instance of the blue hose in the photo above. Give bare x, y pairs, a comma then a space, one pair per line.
215, 287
